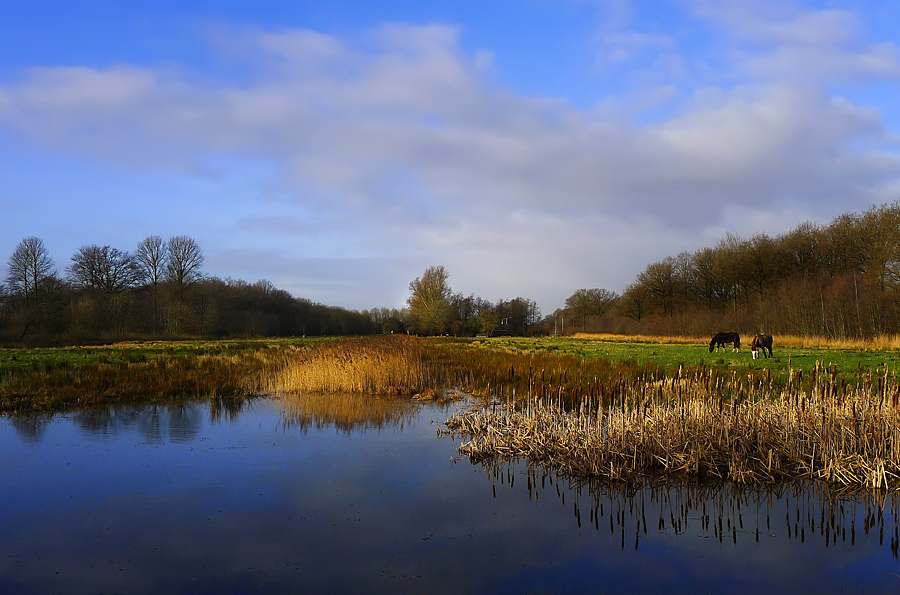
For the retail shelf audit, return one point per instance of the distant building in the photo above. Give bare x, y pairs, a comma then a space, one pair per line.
501, 330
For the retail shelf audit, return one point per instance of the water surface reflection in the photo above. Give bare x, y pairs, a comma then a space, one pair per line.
723, 511
279, 496
156, 424
346, 412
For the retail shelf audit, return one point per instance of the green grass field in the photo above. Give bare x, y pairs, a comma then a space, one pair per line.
671, 355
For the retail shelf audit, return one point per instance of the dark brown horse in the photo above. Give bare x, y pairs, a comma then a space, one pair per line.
764, 341
722, 338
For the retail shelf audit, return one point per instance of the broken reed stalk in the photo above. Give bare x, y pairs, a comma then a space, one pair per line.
847, 438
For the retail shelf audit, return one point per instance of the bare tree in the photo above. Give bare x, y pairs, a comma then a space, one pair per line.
151, 257
104, 269
185, 262
586, 303
633, 302
661, 282
29, 266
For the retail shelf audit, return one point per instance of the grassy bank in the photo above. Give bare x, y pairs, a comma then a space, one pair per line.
41, 380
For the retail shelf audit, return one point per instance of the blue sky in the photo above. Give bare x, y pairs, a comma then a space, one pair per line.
531, 147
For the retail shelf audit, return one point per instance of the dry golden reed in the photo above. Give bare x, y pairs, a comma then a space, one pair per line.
674, 339
385, 365
154, 381
680, 427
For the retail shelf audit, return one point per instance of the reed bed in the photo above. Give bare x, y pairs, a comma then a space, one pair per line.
882, 343
668, 339
381, 365
685, 426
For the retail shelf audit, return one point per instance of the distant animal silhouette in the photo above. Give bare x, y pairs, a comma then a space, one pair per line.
722, 338
764, 341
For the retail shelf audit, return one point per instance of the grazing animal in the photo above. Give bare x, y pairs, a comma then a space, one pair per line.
722, 338
764, 341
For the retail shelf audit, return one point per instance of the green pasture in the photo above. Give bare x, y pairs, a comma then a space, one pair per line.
665, 355
672, 355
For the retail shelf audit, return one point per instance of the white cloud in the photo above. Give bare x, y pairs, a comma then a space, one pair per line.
400, 152
780, 40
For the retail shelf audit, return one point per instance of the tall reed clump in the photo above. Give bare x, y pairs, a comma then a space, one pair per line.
381, 365
829, 431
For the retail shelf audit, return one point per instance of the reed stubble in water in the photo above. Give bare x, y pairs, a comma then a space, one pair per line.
684, 426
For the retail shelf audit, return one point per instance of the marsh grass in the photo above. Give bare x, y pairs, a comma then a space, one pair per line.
656, 340
686, 426
680, 352
580, 413
61, 379
882, 343
383, 365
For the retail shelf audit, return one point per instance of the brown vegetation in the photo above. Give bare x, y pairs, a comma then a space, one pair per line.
880, 343
385, 365
685, 426
65, 387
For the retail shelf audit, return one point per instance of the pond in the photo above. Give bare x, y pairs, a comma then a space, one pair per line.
368, 498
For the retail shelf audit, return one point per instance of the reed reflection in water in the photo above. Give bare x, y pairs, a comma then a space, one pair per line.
345, 411
798, 510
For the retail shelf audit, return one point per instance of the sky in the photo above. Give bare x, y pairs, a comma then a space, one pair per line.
531, 147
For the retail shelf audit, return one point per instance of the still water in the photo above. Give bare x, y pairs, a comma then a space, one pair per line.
303, 499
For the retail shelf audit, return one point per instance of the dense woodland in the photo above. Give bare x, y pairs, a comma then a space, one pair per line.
840, 280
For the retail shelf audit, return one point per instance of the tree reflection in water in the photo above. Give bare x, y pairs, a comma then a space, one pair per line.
178, 423
30, 428
799, 510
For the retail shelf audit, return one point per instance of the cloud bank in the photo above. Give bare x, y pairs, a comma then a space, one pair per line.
369, 159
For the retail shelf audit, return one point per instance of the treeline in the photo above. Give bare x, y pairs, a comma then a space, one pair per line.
158, 291
434, 309
840, 280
